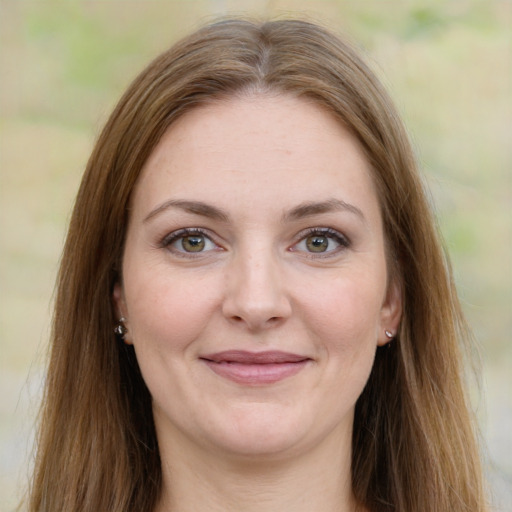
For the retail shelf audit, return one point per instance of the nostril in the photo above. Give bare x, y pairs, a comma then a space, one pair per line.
240, 319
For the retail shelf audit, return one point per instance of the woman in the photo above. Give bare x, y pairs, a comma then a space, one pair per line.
254, 311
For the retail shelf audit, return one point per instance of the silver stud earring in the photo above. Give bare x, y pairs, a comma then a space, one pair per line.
120, 330
389, 334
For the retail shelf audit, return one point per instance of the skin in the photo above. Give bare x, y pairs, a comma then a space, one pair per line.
257, 283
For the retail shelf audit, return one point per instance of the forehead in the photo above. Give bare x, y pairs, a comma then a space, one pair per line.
279, 147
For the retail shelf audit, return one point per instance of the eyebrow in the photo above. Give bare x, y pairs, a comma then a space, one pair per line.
304, 210
310, 209
195, 207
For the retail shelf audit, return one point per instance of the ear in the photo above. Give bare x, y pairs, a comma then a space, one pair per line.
390, 313
121, 310
119, 303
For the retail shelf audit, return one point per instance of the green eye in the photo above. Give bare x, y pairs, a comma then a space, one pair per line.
193, 243
189, 241
317, 243
322, 242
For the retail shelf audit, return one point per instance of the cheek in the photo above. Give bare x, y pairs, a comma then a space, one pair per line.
346, 309
167, 311
344, 321
341, 318
167, 318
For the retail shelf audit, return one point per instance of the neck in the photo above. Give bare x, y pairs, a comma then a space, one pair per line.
195, 480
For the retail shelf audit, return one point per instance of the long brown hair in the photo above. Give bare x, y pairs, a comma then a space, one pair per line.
414, 447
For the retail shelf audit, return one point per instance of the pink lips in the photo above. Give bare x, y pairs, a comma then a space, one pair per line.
254, 368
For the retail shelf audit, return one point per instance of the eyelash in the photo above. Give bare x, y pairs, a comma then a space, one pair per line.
343, 241
169, 239
338, 237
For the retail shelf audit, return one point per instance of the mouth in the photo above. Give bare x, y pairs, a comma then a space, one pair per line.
255, 368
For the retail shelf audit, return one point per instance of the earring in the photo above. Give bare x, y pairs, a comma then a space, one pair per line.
389, 334
120, 330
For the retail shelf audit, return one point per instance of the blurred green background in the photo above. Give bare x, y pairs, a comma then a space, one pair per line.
63, 65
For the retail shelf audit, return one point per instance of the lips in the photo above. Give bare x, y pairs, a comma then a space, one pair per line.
255, 368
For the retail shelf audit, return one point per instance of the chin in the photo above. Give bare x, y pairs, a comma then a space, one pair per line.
262, 444
266, 433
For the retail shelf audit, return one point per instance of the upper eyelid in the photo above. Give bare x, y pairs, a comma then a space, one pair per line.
171, 238
323, 230
174, 235
343, 241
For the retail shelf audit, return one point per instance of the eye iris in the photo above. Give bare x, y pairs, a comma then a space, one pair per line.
193, 243
317, 243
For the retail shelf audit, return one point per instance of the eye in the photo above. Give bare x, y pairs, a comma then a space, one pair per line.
189, 241
321, 241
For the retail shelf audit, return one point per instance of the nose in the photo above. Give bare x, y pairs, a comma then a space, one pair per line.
255, 294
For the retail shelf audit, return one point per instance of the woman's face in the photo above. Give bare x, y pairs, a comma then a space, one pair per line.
254, 277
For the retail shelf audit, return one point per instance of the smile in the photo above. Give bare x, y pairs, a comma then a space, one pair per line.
255, 368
